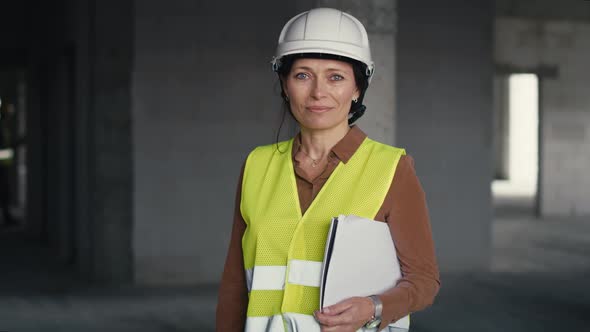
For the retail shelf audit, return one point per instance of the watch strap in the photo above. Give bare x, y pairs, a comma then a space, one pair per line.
375, 321
378, 306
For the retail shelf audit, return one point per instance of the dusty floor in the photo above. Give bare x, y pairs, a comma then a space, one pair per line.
539, 281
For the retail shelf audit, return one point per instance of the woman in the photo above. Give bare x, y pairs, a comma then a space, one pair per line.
289, 191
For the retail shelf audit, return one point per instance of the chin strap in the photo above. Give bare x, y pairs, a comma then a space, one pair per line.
356, 113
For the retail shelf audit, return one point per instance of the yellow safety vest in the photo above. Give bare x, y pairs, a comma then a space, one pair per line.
283, 249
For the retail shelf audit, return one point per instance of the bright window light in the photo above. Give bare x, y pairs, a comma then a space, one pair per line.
522, 154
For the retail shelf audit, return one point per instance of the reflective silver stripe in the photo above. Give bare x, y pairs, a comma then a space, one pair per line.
306, 273
266, 277
265, 324
300, 322
301, 272
249, 278
261, 277
296, 322
403, 323
391, 328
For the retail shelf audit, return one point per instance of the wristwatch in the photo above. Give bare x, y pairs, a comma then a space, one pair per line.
376, 319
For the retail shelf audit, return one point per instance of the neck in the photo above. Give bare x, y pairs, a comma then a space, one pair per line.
318, 143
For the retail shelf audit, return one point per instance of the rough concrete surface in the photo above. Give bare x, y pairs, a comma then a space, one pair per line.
539, 282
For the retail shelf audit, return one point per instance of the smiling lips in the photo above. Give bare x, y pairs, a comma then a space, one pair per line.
318, 109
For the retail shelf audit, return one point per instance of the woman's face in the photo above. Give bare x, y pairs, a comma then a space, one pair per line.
320, 92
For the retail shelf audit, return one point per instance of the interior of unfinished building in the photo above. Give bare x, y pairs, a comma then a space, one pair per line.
124, 124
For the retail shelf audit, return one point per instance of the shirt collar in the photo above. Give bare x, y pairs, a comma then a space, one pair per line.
345, 148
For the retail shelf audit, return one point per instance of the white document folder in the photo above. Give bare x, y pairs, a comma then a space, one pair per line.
360, 260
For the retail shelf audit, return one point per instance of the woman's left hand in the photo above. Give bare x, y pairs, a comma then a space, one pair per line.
348, 315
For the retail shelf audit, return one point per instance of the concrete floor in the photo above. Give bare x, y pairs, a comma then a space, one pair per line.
538, 282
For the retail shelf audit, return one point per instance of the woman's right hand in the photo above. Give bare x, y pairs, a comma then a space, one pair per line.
346, 316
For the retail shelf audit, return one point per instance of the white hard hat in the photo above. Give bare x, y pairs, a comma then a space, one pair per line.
326, 31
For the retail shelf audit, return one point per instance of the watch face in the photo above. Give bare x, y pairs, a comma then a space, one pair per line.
373, 323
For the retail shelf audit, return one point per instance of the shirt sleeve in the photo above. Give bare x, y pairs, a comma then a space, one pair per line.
232, 299
406, 213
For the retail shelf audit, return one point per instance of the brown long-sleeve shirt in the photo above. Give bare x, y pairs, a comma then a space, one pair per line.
404, 209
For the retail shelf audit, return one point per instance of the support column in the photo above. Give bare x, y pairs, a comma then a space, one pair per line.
379, 18
444, 119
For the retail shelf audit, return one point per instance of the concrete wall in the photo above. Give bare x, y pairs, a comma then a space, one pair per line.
570, 10
13, 27
76, 59
204, 95
564, 102
111, 167
444, 119
93, 61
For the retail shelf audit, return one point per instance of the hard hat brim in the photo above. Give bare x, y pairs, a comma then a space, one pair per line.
327, 47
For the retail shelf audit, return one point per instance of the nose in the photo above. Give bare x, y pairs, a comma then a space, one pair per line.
319, 89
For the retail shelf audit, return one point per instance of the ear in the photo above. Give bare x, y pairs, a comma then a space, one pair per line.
357, 92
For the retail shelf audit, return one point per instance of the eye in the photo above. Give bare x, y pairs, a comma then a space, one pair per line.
301, 76
336, 77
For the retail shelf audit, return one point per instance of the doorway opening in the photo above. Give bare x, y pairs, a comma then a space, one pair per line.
516, 144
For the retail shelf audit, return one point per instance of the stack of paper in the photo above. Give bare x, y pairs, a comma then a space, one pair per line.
360, 260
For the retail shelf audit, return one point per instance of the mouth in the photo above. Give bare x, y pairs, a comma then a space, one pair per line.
318, 109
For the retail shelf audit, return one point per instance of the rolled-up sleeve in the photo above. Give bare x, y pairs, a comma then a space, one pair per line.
406, 212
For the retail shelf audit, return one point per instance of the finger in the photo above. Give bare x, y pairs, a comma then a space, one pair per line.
338, 308
334, 320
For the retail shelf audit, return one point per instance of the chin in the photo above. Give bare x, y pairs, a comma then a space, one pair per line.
321, 124
323, 121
